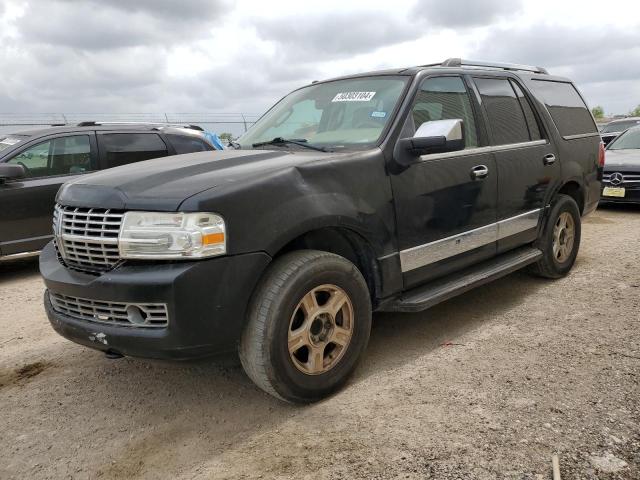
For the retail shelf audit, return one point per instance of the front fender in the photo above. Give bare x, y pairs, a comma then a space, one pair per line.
265, 212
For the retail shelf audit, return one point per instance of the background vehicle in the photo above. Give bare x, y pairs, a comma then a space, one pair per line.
388, 191
614, 128
621, 179
34, 164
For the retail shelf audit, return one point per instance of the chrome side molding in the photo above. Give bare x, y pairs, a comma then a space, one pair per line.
422, 255
18, 256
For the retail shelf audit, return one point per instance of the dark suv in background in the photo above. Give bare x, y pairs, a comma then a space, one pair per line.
614, 128
34, 164
382, 191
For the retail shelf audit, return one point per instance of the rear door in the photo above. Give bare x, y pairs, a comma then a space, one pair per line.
526, 161
27, 203
445, 216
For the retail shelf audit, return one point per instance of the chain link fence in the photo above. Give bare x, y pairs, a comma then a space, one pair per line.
234, 123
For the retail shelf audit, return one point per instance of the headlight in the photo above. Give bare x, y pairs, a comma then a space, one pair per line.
152, 235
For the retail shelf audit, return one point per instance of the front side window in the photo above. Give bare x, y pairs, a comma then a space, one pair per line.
506, 117
123, 148
59, 156
339, 114
445, 98
629, 140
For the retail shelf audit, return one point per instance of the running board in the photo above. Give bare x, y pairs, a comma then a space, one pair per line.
426, 296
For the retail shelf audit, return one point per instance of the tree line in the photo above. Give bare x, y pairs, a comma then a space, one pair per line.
598, 112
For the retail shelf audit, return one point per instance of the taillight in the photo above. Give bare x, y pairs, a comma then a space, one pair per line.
601, 156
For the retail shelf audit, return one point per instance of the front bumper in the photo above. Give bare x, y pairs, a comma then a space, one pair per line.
632, 194
206, 302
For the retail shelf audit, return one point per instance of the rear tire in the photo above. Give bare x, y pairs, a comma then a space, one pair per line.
560, 239
308, 324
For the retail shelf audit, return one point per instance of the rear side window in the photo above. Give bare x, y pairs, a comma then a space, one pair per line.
445, 98
506, 117
188, 144
532, 122
123, 148
568, 110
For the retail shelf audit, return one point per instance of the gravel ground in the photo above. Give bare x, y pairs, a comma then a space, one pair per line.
488, 385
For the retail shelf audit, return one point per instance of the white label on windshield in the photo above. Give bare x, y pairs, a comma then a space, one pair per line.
353, 97
9, 141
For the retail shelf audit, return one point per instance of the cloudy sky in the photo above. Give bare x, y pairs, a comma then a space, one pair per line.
132, 56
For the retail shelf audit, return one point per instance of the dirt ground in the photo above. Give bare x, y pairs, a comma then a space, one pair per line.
486, 386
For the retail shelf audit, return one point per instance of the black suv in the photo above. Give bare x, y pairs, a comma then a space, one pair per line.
34, 164
383, 191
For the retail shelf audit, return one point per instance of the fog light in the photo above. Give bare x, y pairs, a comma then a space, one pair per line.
135, 315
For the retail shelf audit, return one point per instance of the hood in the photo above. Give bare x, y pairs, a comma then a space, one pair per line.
625, 160
164, 183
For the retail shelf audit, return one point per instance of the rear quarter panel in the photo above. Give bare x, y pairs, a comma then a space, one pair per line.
578, 154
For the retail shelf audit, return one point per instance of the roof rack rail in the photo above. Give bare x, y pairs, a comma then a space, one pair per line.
159, 124
458, 62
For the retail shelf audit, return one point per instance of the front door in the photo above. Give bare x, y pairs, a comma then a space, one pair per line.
446, 204
27, 203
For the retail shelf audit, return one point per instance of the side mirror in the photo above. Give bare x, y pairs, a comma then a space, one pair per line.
438, 136
11, 171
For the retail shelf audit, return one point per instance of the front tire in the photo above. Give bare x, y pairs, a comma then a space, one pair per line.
560, 239
308, 324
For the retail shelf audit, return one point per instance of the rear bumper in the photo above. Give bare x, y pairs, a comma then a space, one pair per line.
206, 302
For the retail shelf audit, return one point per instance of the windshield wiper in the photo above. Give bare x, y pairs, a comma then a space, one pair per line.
302, 142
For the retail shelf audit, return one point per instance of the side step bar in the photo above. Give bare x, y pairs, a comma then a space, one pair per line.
442, 289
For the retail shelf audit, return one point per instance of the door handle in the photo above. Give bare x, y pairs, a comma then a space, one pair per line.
479, 172
549, 159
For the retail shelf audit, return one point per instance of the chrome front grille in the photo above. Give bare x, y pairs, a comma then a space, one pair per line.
87, 238
622, 178
148, 315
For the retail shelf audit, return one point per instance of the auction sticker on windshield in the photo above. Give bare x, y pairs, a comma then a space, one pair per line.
353, 97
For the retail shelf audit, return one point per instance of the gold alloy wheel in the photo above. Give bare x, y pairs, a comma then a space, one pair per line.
320, 329
563, 237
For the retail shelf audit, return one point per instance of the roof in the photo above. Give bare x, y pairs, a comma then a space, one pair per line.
106, 127
457, 65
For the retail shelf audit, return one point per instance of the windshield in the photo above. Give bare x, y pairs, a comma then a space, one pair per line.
10, 141
337, 114
629, 140
620, 126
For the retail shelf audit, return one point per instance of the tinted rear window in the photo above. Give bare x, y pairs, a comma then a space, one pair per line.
566, 107
188, 144
122, 148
